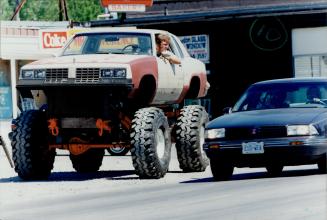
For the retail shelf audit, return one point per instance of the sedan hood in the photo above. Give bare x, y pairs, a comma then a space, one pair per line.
86, 59
269, 117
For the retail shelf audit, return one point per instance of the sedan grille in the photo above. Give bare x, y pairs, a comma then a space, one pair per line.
56, 75
87, 75
253, 133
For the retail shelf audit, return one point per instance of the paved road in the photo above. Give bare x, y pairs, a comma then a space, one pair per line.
116, 193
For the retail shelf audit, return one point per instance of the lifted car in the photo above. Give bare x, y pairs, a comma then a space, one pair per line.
275, 123
109, 89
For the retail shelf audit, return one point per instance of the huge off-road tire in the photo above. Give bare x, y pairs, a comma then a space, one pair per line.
89, 161
31, 154
150, 143
190, 138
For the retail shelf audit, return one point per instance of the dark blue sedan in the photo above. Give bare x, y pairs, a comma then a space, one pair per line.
275, 123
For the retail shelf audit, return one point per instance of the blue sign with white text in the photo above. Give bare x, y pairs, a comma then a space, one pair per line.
5, 102
197, 46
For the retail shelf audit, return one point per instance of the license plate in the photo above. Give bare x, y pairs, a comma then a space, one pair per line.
252, 148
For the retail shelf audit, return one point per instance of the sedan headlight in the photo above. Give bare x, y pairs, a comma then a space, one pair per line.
215, 133
301, 130
33, 74
113, 73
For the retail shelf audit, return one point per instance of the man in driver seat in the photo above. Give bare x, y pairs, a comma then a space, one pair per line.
163, 50
313, 94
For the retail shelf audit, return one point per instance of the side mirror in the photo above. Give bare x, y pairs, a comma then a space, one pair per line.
227, 110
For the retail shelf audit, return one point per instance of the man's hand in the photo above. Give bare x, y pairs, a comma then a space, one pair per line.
166, 54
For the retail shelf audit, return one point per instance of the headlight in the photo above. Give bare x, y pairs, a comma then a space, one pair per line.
113, 73
33, 74
298, 130
215, 133
27, 74
39, 74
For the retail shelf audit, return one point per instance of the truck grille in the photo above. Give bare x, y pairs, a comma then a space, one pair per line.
252, 133
87, 75
56, 75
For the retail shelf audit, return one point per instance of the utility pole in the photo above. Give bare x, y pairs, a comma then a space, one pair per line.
17, 10
63, 14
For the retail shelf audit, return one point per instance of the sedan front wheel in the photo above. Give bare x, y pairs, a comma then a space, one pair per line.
221, 170
274, 170
322, 165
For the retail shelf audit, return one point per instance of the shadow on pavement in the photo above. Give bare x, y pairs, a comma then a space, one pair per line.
75, 176
259, 175
176, 171
10, 179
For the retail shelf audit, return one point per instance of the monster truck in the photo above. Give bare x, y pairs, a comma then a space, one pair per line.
109, 89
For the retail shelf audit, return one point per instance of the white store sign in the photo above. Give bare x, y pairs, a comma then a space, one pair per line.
197, 46
126, 7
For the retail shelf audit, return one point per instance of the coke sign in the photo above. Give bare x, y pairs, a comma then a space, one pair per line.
53, 39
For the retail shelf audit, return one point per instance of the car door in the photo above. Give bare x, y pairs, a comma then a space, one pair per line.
170, 78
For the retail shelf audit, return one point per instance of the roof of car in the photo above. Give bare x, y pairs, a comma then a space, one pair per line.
293, 80
120, 29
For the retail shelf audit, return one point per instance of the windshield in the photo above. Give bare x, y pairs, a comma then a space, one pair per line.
105, 43
283, 95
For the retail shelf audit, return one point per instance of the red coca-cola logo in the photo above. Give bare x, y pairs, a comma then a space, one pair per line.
54, 39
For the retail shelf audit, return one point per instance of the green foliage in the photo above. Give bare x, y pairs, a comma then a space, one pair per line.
48, 10
6, 10
43, 10
84, 10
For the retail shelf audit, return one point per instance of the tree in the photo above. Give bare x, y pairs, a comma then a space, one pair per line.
43, 10
84, 10
48, 10
6, 9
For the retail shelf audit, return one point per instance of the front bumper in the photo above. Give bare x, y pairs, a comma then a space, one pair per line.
72, 99
307, 150
42, 84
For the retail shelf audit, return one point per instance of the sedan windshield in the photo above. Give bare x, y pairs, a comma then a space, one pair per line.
105, 43
283, 95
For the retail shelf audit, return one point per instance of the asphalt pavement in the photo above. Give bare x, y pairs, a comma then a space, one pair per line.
115, 192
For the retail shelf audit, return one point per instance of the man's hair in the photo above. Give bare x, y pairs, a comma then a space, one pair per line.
162, 37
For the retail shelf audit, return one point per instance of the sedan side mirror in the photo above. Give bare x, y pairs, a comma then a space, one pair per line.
227, 110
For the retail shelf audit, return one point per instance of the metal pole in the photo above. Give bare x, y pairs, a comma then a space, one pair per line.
3, 144
18, 8
63, 14
13, 75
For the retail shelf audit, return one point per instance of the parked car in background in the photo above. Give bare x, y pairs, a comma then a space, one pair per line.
275, 123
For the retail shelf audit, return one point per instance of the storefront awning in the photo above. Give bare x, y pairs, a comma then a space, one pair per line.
219, 14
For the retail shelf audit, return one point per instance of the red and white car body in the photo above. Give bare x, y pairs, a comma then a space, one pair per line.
131, 50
